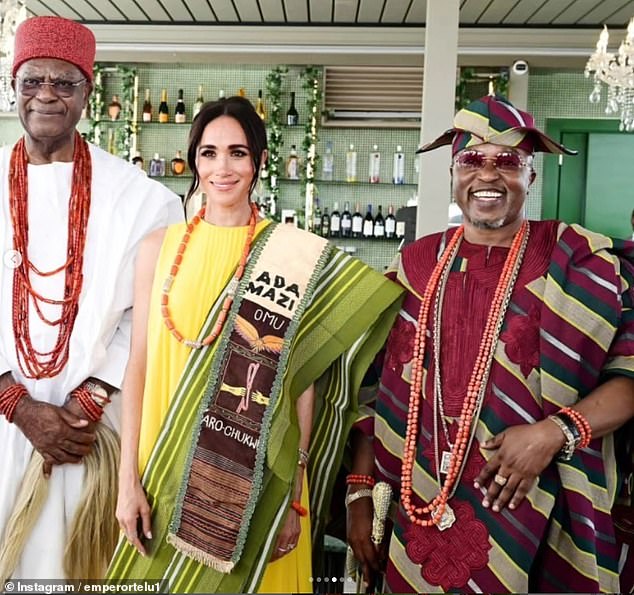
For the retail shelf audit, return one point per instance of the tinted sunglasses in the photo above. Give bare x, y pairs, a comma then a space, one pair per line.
505, 161
30, 86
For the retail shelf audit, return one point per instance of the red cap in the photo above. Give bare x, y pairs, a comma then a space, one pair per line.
55, 37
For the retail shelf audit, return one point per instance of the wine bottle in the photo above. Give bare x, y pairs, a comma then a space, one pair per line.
390, 223
292, 164
328, 163
179, 111
335, 222
325, 223
351, 164
379, 225
147, 107
260, 110
317, 218
198, 103
398, 169
177, 165
368, 224
374, 173
114, 109
164, 112
357, 223
346, 221
292, 117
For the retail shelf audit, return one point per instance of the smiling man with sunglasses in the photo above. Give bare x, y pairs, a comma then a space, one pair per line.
71, 219
504, 413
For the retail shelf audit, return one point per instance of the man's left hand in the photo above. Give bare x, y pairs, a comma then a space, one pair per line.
522, 453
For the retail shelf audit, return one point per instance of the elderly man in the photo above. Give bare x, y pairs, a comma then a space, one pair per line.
507, 385
71, 218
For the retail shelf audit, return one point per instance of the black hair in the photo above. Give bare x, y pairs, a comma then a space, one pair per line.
241, 110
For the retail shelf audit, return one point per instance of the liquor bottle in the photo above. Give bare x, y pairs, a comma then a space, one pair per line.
357, 223
242, 92
292, 117
374, 173
221, 95
335, 222
179, 111
114, 108
147, 107
390, 223
400, 229
292, 164
198, 103
157, 166
325, 223
317, 218
259, 106
137, 160
351, 164
328, 163
379, 225
368, 224
164, 112
346, 221
398, 169
177, 165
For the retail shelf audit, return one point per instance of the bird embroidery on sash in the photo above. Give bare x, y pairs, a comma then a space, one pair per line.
250, 334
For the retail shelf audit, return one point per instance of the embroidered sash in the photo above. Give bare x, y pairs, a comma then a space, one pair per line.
223, 476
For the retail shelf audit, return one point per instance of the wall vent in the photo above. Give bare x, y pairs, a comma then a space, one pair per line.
373, 96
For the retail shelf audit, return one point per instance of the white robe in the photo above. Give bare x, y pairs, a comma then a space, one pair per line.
125, 206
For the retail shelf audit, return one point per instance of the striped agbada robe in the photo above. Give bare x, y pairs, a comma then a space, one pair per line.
345, 323
568, 326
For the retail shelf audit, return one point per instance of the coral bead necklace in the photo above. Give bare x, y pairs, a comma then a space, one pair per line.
438, 512
34, 363
231, 289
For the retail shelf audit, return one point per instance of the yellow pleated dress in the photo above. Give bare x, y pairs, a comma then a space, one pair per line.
211, 257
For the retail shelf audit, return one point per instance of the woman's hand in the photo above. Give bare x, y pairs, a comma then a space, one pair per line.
132, 505
288, 537
522, 453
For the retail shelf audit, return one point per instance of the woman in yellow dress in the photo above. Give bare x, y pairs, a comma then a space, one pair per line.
235, 319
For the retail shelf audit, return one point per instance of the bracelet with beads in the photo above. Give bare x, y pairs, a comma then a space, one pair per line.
87, 403
298, 508
357, 478
9, 399
582, 425
362, 493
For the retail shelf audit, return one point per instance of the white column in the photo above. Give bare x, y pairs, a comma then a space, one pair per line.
518, 84
439, 90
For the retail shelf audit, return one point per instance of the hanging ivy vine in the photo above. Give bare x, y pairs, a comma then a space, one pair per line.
311, 82
472, 84
272, 172
125, 130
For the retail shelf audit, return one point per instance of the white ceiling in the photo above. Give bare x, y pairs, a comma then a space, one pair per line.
557, 33
473, 13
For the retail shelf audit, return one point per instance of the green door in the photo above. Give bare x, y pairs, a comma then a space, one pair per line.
594, 188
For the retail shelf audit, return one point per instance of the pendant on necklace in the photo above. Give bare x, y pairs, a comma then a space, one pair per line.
447, 519
445, 461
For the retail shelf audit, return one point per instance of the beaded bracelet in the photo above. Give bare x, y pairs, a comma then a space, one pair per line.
298, 508
356, 478
87, 403
581, 424
303, 457
9, 399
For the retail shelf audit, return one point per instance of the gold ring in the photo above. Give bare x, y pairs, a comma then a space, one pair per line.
500, 479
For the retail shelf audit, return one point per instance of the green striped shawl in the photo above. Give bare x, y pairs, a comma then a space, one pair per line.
344, 325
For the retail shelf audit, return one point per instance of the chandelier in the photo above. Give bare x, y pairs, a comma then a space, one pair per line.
12, 13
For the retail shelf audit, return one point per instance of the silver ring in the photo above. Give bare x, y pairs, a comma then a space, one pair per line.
291, 546
282, 549
500, 479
